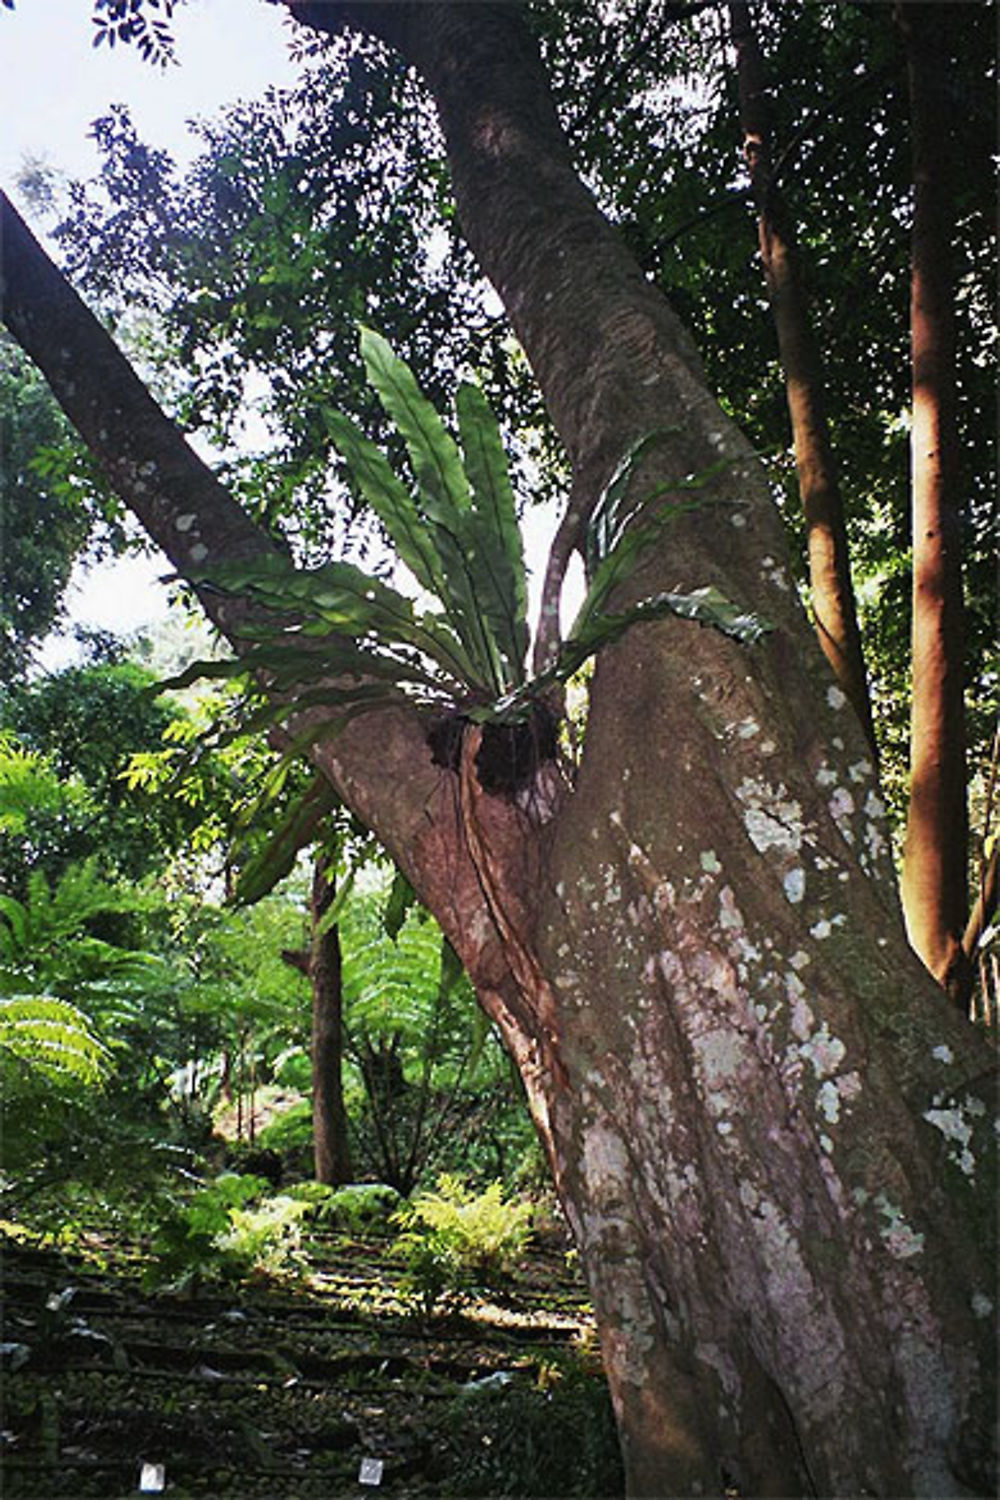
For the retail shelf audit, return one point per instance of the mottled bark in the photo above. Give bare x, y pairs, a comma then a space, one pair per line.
764, 1123
935, 884
833, 602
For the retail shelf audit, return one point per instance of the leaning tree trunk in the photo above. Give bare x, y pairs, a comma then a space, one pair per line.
832, 591
763, 1121
935, 881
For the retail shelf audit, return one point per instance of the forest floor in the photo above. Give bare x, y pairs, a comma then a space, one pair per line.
324, 1387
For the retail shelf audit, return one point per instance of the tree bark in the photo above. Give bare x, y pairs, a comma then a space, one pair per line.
833, 601
984, 906
764, 1123
331, 1150
935, 880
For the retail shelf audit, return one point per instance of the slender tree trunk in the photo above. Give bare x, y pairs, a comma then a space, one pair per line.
226, 1079
833, 600
252, 1113
769, 1132
983, 909
321, 965
935, 881
241, 1084
330, 1143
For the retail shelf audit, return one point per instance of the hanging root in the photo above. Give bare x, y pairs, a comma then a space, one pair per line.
537, 1012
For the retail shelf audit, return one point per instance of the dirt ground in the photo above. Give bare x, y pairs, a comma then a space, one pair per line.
327, 1387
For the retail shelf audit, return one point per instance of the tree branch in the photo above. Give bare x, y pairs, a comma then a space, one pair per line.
985, 905
394, 790
565, 542
178, 499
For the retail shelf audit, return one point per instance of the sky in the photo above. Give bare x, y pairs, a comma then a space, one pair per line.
56, 84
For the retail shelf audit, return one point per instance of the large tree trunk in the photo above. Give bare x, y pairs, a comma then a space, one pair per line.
935, 882
832, 592
764, 1122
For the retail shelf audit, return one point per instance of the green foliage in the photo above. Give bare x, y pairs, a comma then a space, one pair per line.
358, 1209
459, 539
653, 115
458, 535
49, 1037
299, 826
265, 253
432, 1076
47, 940
49, 507
264, 1238
488, 1233
290, 1131
554, 1438
455, 1239
401, 900
69, 999
34, 795
215, 1234
85, 724
432, 1277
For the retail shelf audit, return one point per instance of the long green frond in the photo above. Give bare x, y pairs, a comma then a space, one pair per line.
444, 504
261, 874
437, 466
391, 501
493, 529
347, 601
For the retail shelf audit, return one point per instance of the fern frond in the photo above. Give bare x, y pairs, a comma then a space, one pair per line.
51, 1036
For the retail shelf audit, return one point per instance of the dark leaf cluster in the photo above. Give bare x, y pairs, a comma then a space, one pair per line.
126, 21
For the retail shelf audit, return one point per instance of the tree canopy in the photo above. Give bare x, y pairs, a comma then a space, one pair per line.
260, 263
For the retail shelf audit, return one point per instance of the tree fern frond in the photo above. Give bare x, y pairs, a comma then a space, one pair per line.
51, 1036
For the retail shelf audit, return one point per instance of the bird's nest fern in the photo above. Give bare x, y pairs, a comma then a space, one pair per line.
340, 638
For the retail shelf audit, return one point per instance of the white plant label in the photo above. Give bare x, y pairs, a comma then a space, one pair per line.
152, 1479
